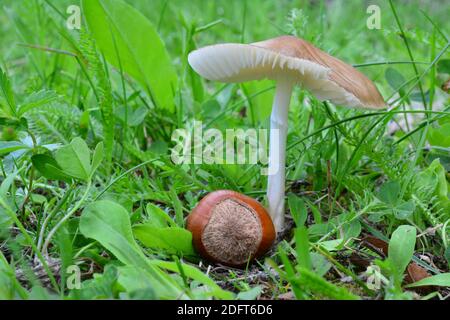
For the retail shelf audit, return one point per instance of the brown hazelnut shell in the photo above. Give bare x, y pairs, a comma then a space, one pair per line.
201, 214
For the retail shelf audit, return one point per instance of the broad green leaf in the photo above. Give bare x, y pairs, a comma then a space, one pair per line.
224, 97
11, 146
389, 192
36, 100
394, 78
315, 212
128, 39
332, 245
10, 288
443, 66
302, 247
351, 229
417, 96
251, 294
7, 92
64, 244
38, 292
48, 167
97, 157
298, 209
434, 177
74, 159
401, 247
109, 224
158, 147
404, 210
134, 117
440, 136
157, 217
4, 111
211, 109
195, 274
447, 255
6, 183
172, 239
132, 279
319, 229
5, 219
84, 121
288, 273
442, 187
260, 95
441, 280
320, 264
320, 286
101, 286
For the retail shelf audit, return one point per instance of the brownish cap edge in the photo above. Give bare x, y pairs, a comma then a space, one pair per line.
343, 74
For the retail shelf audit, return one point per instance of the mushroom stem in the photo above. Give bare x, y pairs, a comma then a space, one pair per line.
277, 151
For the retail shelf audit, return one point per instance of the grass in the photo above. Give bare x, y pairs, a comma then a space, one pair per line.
92, 206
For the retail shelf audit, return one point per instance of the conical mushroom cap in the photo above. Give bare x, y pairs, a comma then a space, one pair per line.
327, 77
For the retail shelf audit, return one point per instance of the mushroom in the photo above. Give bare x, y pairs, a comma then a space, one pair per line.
230, 228
287, 60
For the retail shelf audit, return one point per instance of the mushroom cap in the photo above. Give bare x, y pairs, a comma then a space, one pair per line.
327, 77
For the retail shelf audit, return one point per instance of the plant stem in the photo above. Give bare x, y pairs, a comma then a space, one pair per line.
343, 269
50, 216
30, 188
30, 183
277, 151
27, 237
405, 40
65, 218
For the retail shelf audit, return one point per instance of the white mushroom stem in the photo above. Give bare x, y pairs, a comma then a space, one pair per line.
277, 151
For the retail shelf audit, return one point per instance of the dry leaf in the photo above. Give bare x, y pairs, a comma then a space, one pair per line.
287, 296
415, 273
379, 245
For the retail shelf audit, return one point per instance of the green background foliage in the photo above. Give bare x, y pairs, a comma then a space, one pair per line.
86, 178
